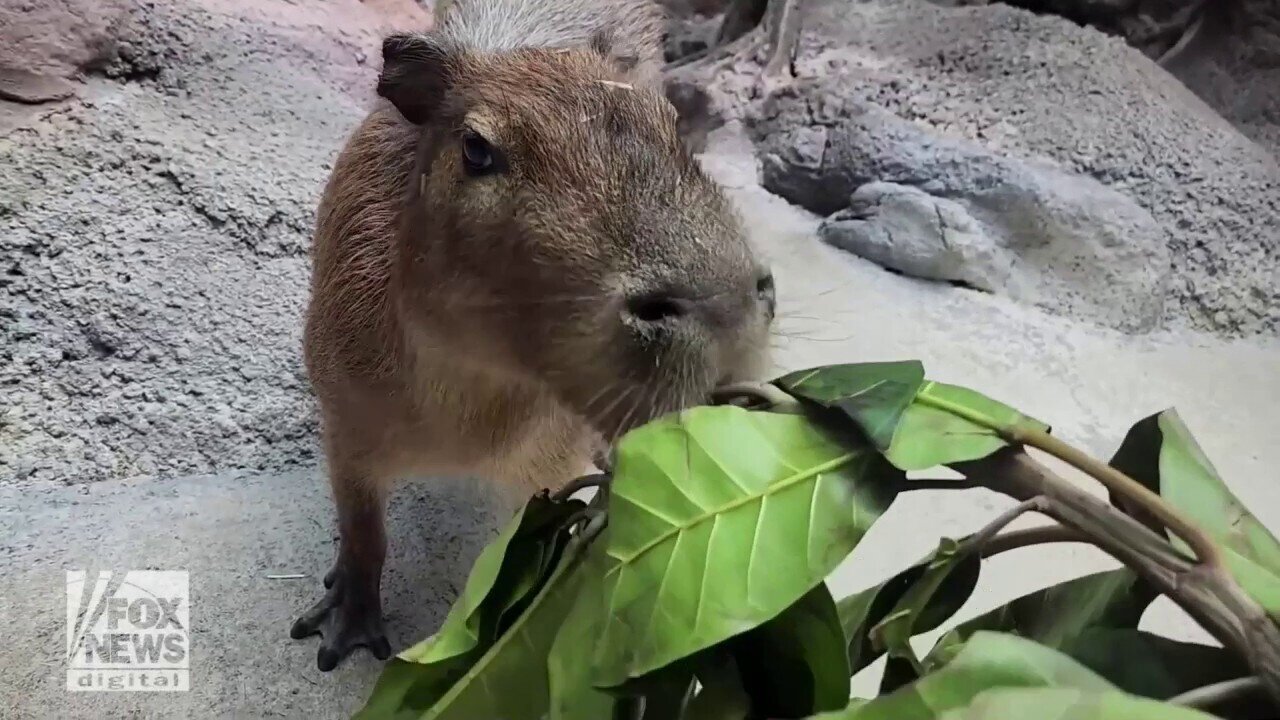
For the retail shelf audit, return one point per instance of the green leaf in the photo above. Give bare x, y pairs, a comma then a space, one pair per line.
895, 631
1093, 619
947, 424
796, 664
569, 669
720, 519
1058, 614
1068, 704
874, 394
988, 660
918, 424
510, 681
1145, 664
404, 689
946, 581
893, 634
515, 555
504, 576
1160, 452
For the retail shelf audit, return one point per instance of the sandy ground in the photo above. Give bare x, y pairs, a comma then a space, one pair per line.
231, 530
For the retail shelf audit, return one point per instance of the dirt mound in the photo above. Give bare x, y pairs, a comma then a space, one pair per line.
153, 239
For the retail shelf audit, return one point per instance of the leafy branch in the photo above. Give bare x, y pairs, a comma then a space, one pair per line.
1208, 593
693, 585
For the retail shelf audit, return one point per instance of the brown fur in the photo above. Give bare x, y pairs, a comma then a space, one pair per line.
479, 326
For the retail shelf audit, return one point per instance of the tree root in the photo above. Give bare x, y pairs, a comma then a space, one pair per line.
748, 27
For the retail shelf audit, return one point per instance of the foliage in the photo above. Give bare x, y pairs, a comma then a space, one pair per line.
693, 587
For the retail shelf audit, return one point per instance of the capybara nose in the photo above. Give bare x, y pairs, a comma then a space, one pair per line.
767, 293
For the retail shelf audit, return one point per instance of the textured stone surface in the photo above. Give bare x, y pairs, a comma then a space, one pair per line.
1042, 88
951, 210
153, 239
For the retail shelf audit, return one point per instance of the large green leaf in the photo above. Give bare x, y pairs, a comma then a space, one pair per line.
1093, 620
1146, 664
1055, 615
874, 394
895, 631
893, 634
720, 519
796, 664
948, 424
1160, 452
569, 668
504, 577
988, 660
921, 598
918, 424
1068, 704
510, 680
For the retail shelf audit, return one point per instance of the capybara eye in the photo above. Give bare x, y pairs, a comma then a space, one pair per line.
477, 154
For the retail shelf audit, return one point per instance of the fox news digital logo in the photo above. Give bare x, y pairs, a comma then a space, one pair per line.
128, 631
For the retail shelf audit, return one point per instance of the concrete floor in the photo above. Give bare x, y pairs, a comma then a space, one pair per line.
232, 531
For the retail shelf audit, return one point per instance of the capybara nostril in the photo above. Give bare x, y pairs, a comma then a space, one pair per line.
656, 308
767, 293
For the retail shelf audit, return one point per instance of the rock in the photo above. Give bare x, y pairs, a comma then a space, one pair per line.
1066, 244
26, 86
906, 229
43, 45
952, 210
1046, 90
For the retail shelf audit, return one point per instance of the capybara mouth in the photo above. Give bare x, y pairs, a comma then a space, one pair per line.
752, 395
616, 413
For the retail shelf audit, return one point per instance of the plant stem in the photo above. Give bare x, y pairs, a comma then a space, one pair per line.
1206, 550
1043, 535
1210, 595
1201, 544
758, 395
1218, 693
979, 540
939, 484
581, 483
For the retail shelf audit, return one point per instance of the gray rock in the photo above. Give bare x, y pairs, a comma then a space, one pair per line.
952, 210
1038, 87
1062, 243
906, 229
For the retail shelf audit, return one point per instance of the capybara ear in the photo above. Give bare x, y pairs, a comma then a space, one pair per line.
415, 74
607, 43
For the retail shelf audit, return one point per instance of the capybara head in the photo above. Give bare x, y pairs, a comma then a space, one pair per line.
560, 232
